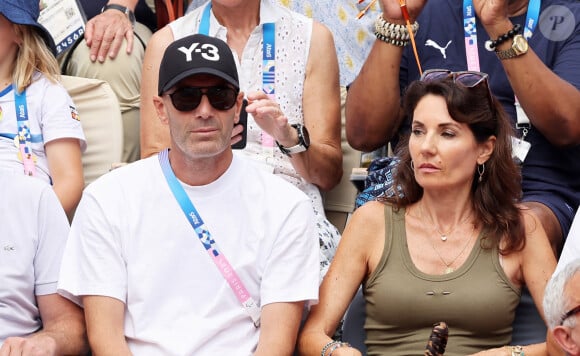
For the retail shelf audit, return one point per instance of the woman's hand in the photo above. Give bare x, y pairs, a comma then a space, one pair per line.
346, 351
268, 115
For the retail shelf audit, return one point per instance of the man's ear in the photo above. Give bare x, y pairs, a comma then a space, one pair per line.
562, 336
486, 149
239, 106
161, 110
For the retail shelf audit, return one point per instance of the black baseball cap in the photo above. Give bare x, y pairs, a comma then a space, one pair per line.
197, 54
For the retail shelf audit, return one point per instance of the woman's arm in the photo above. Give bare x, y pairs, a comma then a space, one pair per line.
537, 262
357, 255
536, 265
66, 170
321, 164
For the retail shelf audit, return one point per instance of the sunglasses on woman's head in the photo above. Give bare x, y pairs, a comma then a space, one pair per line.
189, 98
468, 79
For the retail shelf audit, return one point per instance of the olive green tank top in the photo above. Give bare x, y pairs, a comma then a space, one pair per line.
477, 301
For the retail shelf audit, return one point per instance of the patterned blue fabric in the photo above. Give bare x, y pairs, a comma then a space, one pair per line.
379, 181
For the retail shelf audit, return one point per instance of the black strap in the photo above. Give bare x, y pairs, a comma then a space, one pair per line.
69, 52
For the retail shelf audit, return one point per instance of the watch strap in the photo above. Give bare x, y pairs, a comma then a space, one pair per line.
301, 146
288, 151
130, 15
507, 54
511, 52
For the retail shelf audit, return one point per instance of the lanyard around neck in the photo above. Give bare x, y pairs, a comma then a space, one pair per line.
268, 66
268, 50
470, 30
207, 241
23, 136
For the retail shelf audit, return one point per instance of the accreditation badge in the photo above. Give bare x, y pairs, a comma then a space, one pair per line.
65, 20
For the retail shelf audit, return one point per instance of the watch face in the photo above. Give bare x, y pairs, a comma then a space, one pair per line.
520, 44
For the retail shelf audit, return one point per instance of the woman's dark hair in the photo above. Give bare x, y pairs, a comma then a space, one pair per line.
495, 198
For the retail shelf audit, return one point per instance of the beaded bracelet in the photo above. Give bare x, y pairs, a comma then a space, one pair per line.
327, 346
490, 45
395, 34
336, 346
399, 43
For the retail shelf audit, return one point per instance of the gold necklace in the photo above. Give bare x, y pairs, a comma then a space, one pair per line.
448, 268
443, 235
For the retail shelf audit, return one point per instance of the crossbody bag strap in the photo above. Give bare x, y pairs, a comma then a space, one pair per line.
209, 244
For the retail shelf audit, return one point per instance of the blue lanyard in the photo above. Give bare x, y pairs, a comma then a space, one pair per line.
24, 136
268, 68
470, 29
35, 138
269, 58
207, 241
532, 18
268, 50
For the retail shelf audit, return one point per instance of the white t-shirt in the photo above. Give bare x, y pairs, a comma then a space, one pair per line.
130, 240
33, 232
51, 115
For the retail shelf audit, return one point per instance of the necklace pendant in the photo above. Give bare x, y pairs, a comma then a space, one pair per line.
443, 237
449, 270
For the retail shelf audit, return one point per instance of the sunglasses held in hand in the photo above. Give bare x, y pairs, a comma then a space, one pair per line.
189, 98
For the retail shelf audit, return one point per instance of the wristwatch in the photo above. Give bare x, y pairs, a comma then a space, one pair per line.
130, 15
303, 141
519, 47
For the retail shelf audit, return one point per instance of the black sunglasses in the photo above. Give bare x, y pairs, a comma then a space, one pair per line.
569, 314
468, 79
188, 98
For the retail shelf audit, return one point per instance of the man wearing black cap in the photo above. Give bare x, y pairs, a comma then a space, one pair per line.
195, 250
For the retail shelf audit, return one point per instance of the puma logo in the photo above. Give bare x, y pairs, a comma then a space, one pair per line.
434, 44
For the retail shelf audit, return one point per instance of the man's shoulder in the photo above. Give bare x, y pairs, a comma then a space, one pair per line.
21, 187
131, 176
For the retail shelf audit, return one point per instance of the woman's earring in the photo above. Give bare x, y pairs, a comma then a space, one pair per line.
412, 165
481, 170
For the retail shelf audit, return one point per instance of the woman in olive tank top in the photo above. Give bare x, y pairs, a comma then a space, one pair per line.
452, 244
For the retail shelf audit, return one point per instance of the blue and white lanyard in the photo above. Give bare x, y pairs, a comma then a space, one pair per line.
207, 241
268, 64
470, 29
24, 143
471, 51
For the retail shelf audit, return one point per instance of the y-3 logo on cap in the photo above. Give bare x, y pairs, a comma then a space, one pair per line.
206, 50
